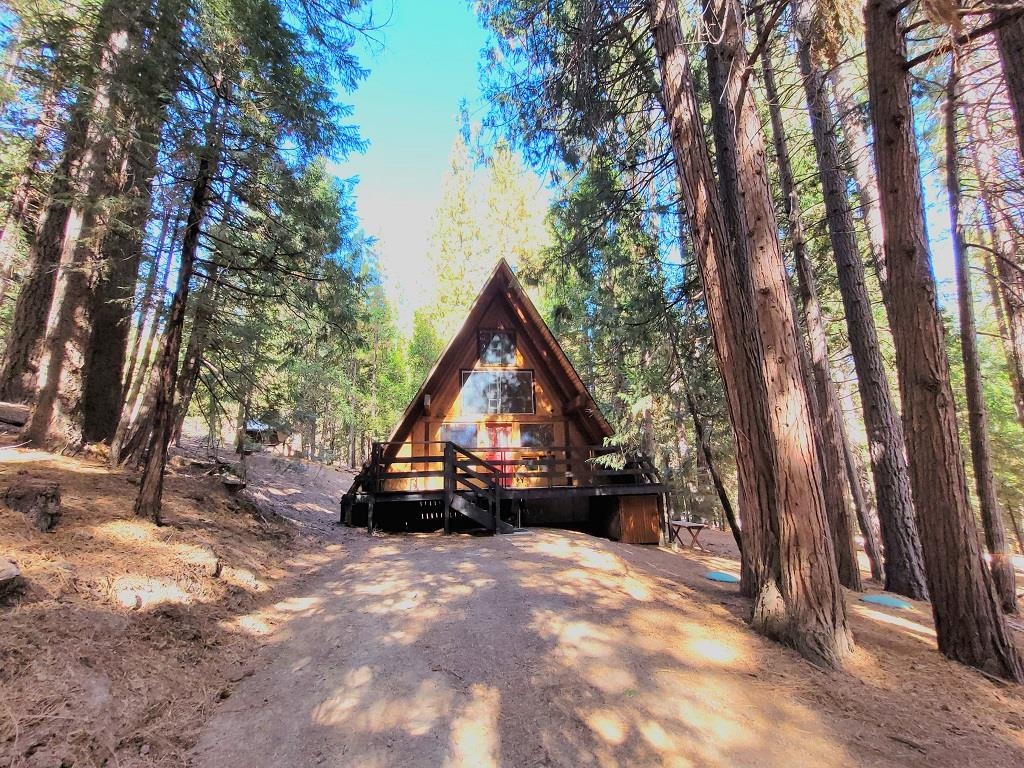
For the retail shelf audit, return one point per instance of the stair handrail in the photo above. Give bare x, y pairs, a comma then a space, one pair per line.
492, 486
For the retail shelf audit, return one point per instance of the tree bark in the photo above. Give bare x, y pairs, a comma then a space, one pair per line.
1009, 36
23, 210
122, 244
726, 293
856, 146
151, 486
805, 593
904, 561
57, 419
1008, 276
824, 404
20, 368
709, 462
977, 413
968, 622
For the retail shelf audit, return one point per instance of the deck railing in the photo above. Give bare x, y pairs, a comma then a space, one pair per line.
411, 466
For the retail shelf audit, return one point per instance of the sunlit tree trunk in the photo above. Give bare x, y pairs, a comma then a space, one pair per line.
58, 416
20, 368
797, 594
824, 405
904, 561
968, 621
726, 293
977, 412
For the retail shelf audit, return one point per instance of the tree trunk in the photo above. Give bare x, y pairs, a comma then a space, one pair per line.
20, 369
1007, 279
824, 404
58, 416
709, 462
23, 211
137, 408
121, 248
156, 280
103, 389
904, 561
857, 152
977, 413
1009, 36
872, 545
968, 622
804, 593
151, 487
194, 351
726, 295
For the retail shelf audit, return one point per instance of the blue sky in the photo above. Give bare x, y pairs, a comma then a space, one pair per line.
425, 64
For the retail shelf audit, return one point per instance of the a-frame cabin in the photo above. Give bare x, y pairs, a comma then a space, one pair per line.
504, 433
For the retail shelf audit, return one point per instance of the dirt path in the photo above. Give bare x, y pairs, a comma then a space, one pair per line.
289, 644
557, 649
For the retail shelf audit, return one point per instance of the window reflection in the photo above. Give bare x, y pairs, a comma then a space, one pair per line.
496, 392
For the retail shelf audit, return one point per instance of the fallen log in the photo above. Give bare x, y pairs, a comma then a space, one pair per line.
14, 414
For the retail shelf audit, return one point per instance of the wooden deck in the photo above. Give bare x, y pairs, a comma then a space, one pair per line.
458, 483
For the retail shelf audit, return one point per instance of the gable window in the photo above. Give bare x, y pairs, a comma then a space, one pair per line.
497, 348
494, 392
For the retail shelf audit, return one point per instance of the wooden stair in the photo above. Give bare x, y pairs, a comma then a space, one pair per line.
477, 514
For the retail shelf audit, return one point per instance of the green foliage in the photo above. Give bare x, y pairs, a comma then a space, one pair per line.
425, 348
486, 213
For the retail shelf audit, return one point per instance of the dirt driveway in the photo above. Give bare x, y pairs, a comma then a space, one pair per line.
557, 649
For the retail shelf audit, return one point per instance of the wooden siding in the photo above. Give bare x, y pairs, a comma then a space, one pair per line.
637, 521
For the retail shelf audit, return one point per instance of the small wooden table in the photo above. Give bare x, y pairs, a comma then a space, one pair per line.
694, 529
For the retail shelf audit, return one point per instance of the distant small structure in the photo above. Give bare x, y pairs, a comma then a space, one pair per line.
261, 436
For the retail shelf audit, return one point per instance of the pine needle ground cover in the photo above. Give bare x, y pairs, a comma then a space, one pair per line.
127, 633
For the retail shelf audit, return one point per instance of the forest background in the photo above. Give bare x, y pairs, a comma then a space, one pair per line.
343, 381
181, 237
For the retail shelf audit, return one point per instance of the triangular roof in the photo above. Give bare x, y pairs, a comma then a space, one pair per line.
503, 281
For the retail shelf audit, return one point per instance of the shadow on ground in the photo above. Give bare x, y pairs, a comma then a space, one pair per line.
557, 649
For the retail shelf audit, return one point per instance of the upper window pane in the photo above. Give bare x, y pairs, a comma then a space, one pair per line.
497, 348
493, 392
